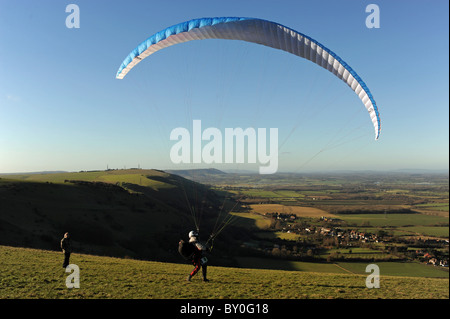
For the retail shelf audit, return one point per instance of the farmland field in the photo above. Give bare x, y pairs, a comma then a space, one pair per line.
432, 231
296, 210
393, 219
257, 220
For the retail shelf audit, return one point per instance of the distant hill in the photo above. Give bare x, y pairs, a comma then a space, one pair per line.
122, 213
197, 174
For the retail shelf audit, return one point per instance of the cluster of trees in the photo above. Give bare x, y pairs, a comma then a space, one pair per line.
283, 251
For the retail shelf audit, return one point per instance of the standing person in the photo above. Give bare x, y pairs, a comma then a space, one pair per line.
198, 259
66, 247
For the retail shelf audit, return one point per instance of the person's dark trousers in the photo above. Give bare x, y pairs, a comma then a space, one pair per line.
204, 272
66, 260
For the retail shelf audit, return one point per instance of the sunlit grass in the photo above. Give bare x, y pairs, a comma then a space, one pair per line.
29, 273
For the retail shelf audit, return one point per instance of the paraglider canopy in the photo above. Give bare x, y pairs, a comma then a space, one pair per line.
262, 32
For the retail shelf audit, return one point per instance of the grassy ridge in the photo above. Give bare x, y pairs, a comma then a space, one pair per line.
136, 213
30, 273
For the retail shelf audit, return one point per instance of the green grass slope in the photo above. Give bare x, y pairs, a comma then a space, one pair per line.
136, 213
31, 273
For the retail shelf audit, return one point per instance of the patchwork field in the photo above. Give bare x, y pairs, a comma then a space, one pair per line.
296, 210
393, 220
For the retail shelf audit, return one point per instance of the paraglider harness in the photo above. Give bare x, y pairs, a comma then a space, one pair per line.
188, 251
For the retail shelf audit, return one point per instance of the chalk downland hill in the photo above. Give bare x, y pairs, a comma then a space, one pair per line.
132, 213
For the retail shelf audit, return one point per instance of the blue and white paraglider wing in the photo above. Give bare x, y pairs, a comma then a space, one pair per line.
258, 31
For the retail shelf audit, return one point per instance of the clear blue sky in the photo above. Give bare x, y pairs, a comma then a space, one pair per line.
61, 107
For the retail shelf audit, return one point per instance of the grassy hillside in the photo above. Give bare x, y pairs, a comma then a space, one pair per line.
30, 273
141, 214
122, 213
